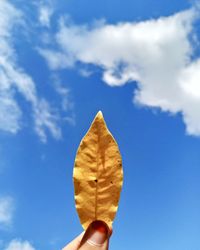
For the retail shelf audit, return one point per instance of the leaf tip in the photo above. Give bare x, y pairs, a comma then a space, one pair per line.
99, 114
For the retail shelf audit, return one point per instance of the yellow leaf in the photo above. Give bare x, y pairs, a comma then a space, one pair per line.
98, 175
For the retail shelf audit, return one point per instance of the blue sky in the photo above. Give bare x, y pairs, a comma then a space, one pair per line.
138, 62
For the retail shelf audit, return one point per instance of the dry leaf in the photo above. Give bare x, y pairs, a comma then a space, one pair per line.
98, 175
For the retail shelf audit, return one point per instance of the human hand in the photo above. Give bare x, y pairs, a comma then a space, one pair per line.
96, 237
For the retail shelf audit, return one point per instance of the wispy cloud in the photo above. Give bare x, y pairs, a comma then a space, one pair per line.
46, 119
156, 54
67, 105
14, 80
44, 14
85, 72
6, 212
10, 113
55, 59
17, 244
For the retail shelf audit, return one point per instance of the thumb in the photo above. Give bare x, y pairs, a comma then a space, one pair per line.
96, 236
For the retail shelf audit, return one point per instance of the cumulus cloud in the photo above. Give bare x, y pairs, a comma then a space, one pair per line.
6, 211
19, 245
15, 81
158, 55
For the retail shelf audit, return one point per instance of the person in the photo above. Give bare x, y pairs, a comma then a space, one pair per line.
96, 237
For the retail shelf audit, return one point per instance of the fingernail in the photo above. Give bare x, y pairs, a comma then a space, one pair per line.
98, 233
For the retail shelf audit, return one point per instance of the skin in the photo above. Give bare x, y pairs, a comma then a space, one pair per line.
96, 237
74, 244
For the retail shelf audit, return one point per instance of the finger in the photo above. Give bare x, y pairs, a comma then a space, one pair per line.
74, 245
96, 237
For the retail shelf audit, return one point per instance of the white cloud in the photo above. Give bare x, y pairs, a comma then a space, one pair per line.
6, 211
46, 119
67, 105
10, 113
156, 54
56, 60
64, 93
85, 72
19, 245
14, 80
45, 13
